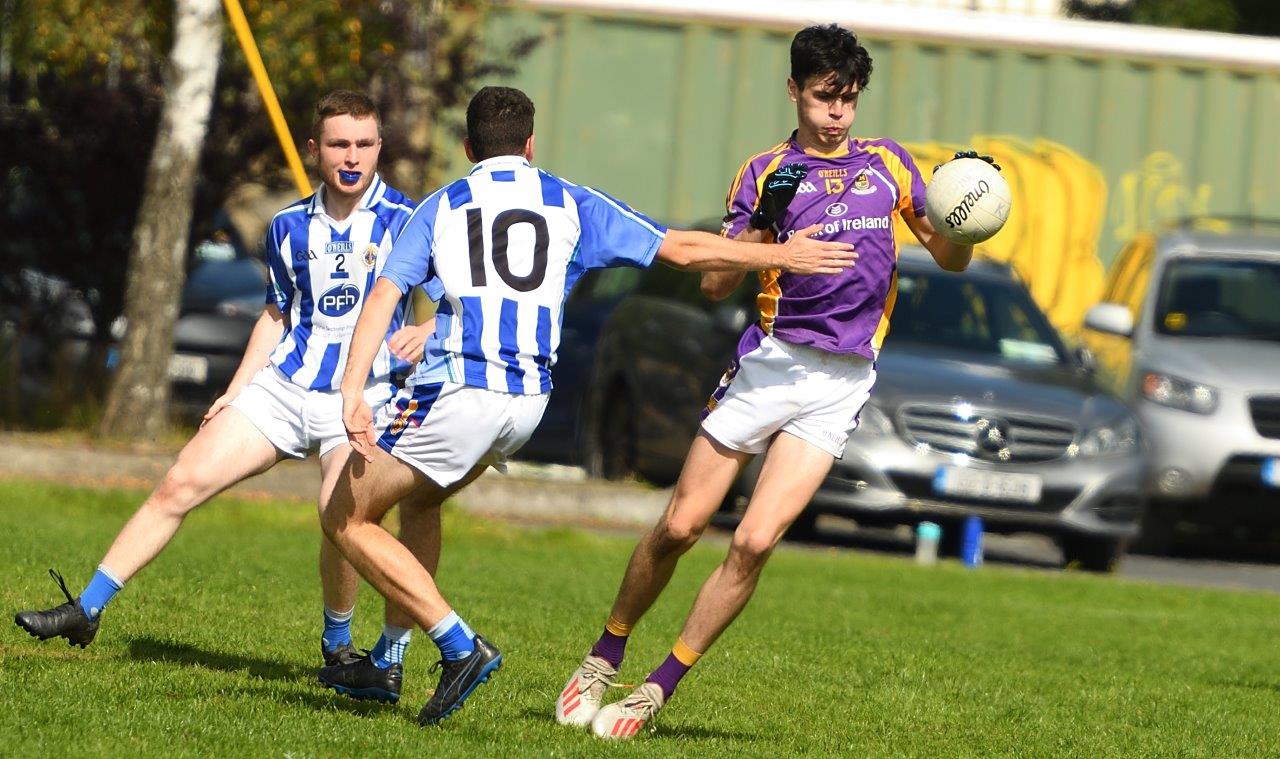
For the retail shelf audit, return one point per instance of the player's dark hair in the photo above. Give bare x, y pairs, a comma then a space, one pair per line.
357, 105
499, 122
830, 51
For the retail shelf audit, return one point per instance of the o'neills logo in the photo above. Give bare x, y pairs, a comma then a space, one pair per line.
960, 212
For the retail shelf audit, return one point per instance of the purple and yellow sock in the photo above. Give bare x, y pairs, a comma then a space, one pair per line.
612, 645
677, 665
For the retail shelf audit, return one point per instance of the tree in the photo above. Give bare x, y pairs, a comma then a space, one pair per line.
1260, 17
138, 403
81, 92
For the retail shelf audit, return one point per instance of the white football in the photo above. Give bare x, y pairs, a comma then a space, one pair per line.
967, 201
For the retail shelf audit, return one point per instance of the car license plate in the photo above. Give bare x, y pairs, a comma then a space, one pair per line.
992, 486
186, 368
1271, 472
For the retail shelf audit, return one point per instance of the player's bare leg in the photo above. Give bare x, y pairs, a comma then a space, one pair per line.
351, 518
379, 674
792, 471
226, 450
338, 579
709, 471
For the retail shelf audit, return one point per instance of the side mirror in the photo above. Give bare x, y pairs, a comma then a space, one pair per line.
1110, 318
730, 317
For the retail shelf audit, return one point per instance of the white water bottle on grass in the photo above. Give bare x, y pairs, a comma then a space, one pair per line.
927, 536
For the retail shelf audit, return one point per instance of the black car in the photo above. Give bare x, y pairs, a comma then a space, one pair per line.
221, 302
559, 437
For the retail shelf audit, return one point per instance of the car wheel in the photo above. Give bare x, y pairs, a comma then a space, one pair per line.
1092, 554
617, 436
1159, 529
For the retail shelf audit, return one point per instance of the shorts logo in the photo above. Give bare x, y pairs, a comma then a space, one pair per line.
837, 209
862, 185
402, 419
340, 246
338, 301
370, 255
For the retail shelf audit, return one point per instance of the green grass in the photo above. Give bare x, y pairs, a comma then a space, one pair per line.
211, 651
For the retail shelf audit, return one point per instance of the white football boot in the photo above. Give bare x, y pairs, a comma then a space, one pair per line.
581, 697
623, 719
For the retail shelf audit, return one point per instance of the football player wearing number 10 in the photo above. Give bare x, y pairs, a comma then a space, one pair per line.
499, 250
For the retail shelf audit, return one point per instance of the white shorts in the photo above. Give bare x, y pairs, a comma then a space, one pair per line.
783, 387
297, 420
444, 430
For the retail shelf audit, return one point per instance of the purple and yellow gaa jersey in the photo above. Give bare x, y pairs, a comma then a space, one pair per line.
853, 193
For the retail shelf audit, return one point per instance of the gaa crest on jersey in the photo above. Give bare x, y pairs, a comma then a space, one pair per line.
370, 255
862, 184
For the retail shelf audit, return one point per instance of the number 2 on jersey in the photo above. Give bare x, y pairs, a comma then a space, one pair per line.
499, 236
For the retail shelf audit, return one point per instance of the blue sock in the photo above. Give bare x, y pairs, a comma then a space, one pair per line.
337, 628
391, 647
455, 639
101, 589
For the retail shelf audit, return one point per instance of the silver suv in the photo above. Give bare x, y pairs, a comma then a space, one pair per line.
1189, 333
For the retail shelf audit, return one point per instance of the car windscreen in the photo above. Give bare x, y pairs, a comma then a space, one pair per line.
1220, 298
212, 282
978, 315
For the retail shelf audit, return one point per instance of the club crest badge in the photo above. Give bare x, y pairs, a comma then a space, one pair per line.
862, 184
370, 255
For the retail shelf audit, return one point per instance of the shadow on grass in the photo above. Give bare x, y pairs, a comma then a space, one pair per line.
1251, 684
663, 731
170, 652
311, 693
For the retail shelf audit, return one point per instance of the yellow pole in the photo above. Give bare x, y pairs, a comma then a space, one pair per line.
241, 25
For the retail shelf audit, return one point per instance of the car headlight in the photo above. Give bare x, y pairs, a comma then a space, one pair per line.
1115, 439
1175, 392
872, 421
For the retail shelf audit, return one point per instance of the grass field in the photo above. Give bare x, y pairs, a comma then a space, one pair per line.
211, 651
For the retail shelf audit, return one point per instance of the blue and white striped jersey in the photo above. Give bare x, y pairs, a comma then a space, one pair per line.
500, 249
321, 270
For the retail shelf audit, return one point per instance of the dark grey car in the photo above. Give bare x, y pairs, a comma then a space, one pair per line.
979, 408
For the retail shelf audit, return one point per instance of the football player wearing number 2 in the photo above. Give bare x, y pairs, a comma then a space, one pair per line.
499, 250
801, 376
323, 253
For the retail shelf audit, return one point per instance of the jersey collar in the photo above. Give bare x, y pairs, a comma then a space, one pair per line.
500, 162
839, 152
377, 188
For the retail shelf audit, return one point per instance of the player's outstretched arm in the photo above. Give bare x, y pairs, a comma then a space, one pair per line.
371, 330
703, 251
264, 338
949, 255
718, 285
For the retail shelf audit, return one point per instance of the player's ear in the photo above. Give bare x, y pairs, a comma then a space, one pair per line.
466, 148
793, 90
313, 149
528, 149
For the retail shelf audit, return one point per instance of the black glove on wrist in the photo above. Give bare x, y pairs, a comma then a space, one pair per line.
971, 154
779, 190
